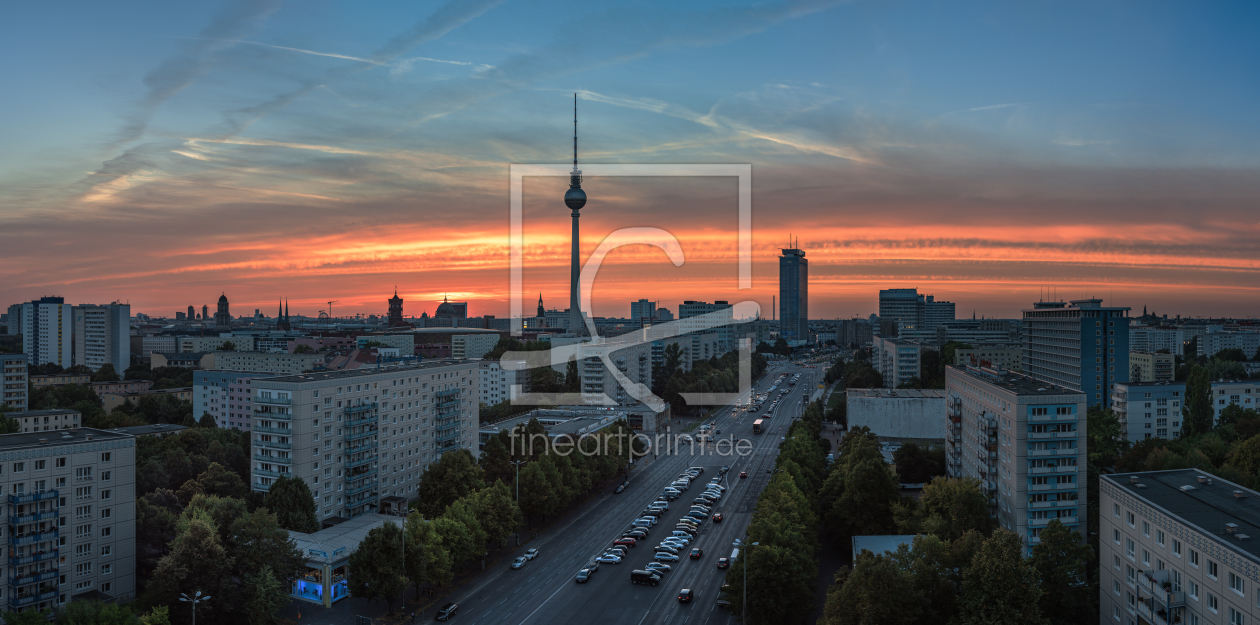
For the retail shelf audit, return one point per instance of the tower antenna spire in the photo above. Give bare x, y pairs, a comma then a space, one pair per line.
575, 131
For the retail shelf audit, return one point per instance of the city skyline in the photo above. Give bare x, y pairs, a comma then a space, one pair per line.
328, 156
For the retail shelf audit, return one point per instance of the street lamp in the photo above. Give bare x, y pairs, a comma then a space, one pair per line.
518, 464
748, 558
194, 600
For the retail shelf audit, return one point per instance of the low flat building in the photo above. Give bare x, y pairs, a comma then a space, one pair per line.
1178, 547
327, 555
60, 379
114, 400
898, 413
881, 545
13, 371
999, 356
47, 420
156, 430
120, 386
1151, 367
70, 501
187, 360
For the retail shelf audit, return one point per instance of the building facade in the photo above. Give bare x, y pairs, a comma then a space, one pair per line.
793, 295
495, 385
915, 315
213, 343
1083, 346
643, 311
1212, 343
1177, 547
14, 372
1149, 409
223, 316
264, 362
1008, 357
110, 401
472, 345
356, 437
898, 360
1025, 441
70, 498
102, 335
1152, 339
47, 420
228, 396
1151, 367
726, 333
47, 332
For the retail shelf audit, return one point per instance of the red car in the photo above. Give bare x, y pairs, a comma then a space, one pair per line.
717, 518
626, 540
743, 474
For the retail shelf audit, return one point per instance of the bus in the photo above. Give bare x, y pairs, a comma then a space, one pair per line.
757, 426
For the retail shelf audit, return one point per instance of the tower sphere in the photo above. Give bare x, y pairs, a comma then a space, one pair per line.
575, 198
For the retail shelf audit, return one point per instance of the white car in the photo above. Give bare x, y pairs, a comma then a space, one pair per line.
608, 558
519, 562
674, 544
681, 534
658, 567
665, 557
530, 554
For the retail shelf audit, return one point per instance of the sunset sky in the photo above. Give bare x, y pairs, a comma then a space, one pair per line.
163, 152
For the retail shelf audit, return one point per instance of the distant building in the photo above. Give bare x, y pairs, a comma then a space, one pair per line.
1153, 339
854, 332
898, 413
1025, 440
663, 314
725, 333
472, 345
59, 379
496, 382
150, 344
793, 295
1082, 346
192, 313
111, 401
451, 310
1149, 409
1149, 367
643, 311
14, 372
156, 430
47, 420
227, 396
326, 578
898, 360
120, 386
1212, 343
396, 311
405, 343
223, 318
47, 332
102, 335
14, 321
188, 360
914, 315
1008, 357
213, 343
265, 362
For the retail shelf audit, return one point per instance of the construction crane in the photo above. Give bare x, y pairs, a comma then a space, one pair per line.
330, 307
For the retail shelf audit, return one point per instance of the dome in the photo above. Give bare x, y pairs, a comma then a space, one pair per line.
223, 299
575, 198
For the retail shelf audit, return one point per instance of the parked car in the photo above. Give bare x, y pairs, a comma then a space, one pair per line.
665, 556
636, 534
530, 554
447, 611
681, 536
658, 567
582, 576
618, 551
670, 548
608, 558
519, 562
625, 540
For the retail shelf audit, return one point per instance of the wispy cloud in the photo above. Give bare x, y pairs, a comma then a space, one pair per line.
1079, 142
299, 50
992, 107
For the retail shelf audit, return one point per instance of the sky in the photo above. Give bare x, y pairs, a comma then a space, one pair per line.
163, 153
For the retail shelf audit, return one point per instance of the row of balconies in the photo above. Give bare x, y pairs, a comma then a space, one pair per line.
1052, 435
1052, 452
350, 464
271, 430
1059, 469
18, 540
275, 459
33, 578
277, 401
33, 517
1066, 520
29, 497
273, 444
263, 413
1053, 486
354, 436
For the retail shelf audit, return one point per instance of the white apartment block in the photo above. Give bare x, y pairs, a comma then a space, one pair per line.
1153, 339
1178, 547
102, 335
227, 396
47, 420
465, 346
1213, 342
1153, 409
496, 383
70, 499
159, 344
13, 370
1008, 357
267, 362
198, 344
634, 361
47, 332
1152, 367
359, 436
1024, 440
898, 360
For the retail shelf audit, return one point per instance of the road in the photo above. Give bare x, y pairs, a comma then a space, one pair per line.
544, 591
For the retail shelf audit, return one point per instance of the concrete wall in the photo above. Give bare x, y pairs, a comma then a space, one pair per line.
908, 417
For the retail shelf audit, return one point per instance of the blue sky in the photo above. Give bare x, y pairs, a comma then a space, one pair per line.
973, 149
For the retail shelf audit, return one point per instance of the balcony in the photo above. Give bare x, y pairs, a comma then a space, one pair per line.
33, 517
1051, 435
350, 464
1044, 470
18, 540
274, 401
31, 559
1158, 586
1051, 452
32, 578
1052, 486
1066, 520
266, 413
360, 448
350, 492
369, 419
29, 497
351, 477
273, 444
269, 473
270, 430
368, 407
18, 601
448, 437
275, 459
354, 436
445, 447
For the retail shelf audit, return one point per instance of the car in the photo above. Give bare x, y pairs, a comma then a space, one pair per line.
723, 470
661, 503
620, 487
625, 540
519, 562
696, 469
665, 556
700, 500
698, 514
685, 595
582, 576
530, 554
636, 534
723, 563
608, 558
675, 541
696, 553
681, 536
670, 548
447, 611
658, 567
704, 509
689, 522
645, 577
743, 474
717, 518
618, 551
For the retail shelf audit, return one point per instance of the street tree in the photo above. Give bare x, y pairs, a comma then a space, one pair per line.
1065, 565
1001, 586
291, 499
454, 475
263, 597
876, 592
377, 567
1196, 411
197, 562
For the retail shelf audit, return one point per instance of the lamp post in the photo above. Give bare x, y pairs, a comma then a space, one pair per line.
518, 464
747, 553
194, 600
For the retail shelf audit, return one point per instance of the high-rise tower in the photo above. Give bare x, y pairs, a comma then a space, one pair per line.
575, 199
794, 294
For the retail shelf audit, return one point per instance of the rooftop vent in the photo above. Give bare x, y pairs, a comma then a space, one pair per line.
1141, 485
1242, 537
1133, 479
87, 436
1230, 528
1238, 494
1203, 479
1187, 488
43, 441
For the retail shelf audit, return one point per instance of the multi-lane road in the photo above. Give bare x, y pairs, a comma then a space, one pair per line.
544, 590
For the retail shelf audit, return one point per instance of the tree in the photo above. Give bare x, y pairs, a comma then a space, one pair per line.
303, 349
263, 597
1001, 585
197, 561
497, 512
572, 380
217, 480
227, 346
95, 613
784, 589
377, 565
291, 499
1232, 354
1106, 442
464, 512
8, 425
950, 507
537, 494
454, 475
496, 460
159, 615
876, 592
206, 421
1063, 563
1246, 456
917, 465
257, 540
106, 373
1197, 410
456, 539
426, 558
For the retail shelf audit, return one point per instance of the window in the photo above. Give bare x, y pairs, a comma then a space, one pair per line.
107, 476
83, 512
105, 457
83, 531
106, 513
40, 465
1115, 535
1176, 547
1235, 617
1194, 558
1128, 518
1159, 537
1213, 603
106, 587
1146, 557
1236, 584
19, 467
1129, 548
1115, 586
83, 473
1115, 561
61, 463
106, 550
83, 550
1130, 575
1146, 529
1212, 570
1192, 589
105, 532
107, 494
106, 569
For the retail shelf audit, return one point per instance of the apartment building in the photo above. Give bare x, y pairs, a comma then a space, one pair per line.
1151, 367
1149, 409
47, 331
632, 359
1153, 339
120, 386
59, 379
1001, 356
47, 420
465, 346
1083, 346
159, 344
1025, 441
110, 401
1178, 547
266, 362
70, 499
14, 371
361, 436
213, 343
1215, 340
102, 335
898, 360
228, 396
495, 385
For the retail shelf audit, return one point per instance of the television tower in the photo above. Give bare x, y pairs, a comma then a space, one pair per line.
575, 199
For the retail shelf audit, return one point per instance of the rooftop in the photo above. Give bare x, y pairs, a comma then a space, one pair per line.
897, 393
336, 543
321, 376
40, 413
156, 428
557, 422
880, 544
1209, 506
1017, 383
25, 440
